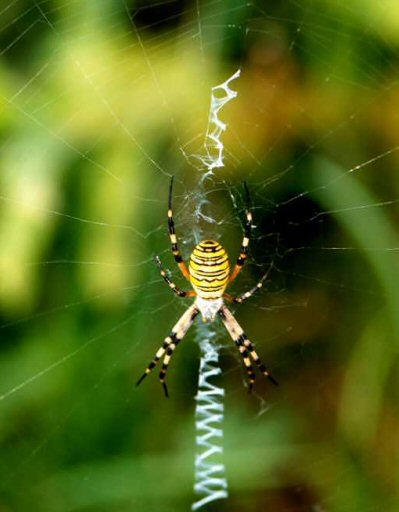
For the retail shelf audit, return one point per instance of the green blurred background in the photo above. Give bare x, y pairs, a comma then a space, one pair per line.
100, 102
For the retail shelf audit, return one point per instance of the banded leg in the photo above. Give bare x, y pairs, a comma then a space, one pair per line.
170, 343
171, 284
245, 242
245, 296
248, 365
173, 238
252, 352
165, 365
240, 338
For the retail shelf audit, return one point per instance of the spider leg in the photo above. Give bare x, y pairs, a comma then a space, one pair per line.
241, 340
173, 238
256, 358
245, 242
170, 343
165, 364
245, 296
247, 362
171, 284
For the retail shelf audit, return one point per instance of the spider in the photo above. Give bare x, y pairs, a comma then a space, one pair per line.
209, 275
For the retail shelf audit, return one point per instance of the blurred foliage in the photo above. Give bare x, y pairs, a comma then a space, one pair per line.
100, 102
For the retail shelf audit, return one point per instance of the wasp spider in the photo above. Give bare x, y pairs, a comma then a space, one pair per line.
209, 275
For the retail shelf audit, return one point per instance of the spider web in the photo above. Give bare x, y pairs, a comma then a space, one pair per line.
101, 103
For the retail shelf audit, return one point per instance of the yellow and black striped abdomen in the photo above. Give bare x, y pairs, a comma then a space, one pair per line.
209, 269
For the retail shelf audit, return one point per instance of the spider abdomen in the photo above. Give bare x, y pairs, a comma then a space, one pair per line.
209, 269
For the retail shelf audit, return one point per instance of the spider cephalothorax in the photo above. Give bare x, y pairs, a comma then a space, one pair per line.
209, 275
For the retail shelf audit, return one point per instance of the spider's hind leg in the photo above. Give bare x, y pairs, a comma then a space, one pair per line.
252, 352
245, 347
248, 365
169, 345
165, 365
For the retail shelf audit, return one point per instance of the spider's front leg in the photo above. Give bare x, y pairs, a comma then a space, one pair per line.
170, 343
245, 347
245, 241
173, 238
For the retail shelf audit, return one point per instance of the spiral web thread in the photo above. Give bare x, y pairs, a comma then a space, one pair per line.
210, 479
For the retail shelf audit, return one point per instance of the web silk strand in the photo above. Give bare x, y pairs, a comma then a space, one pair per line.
210, 480
221, 94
